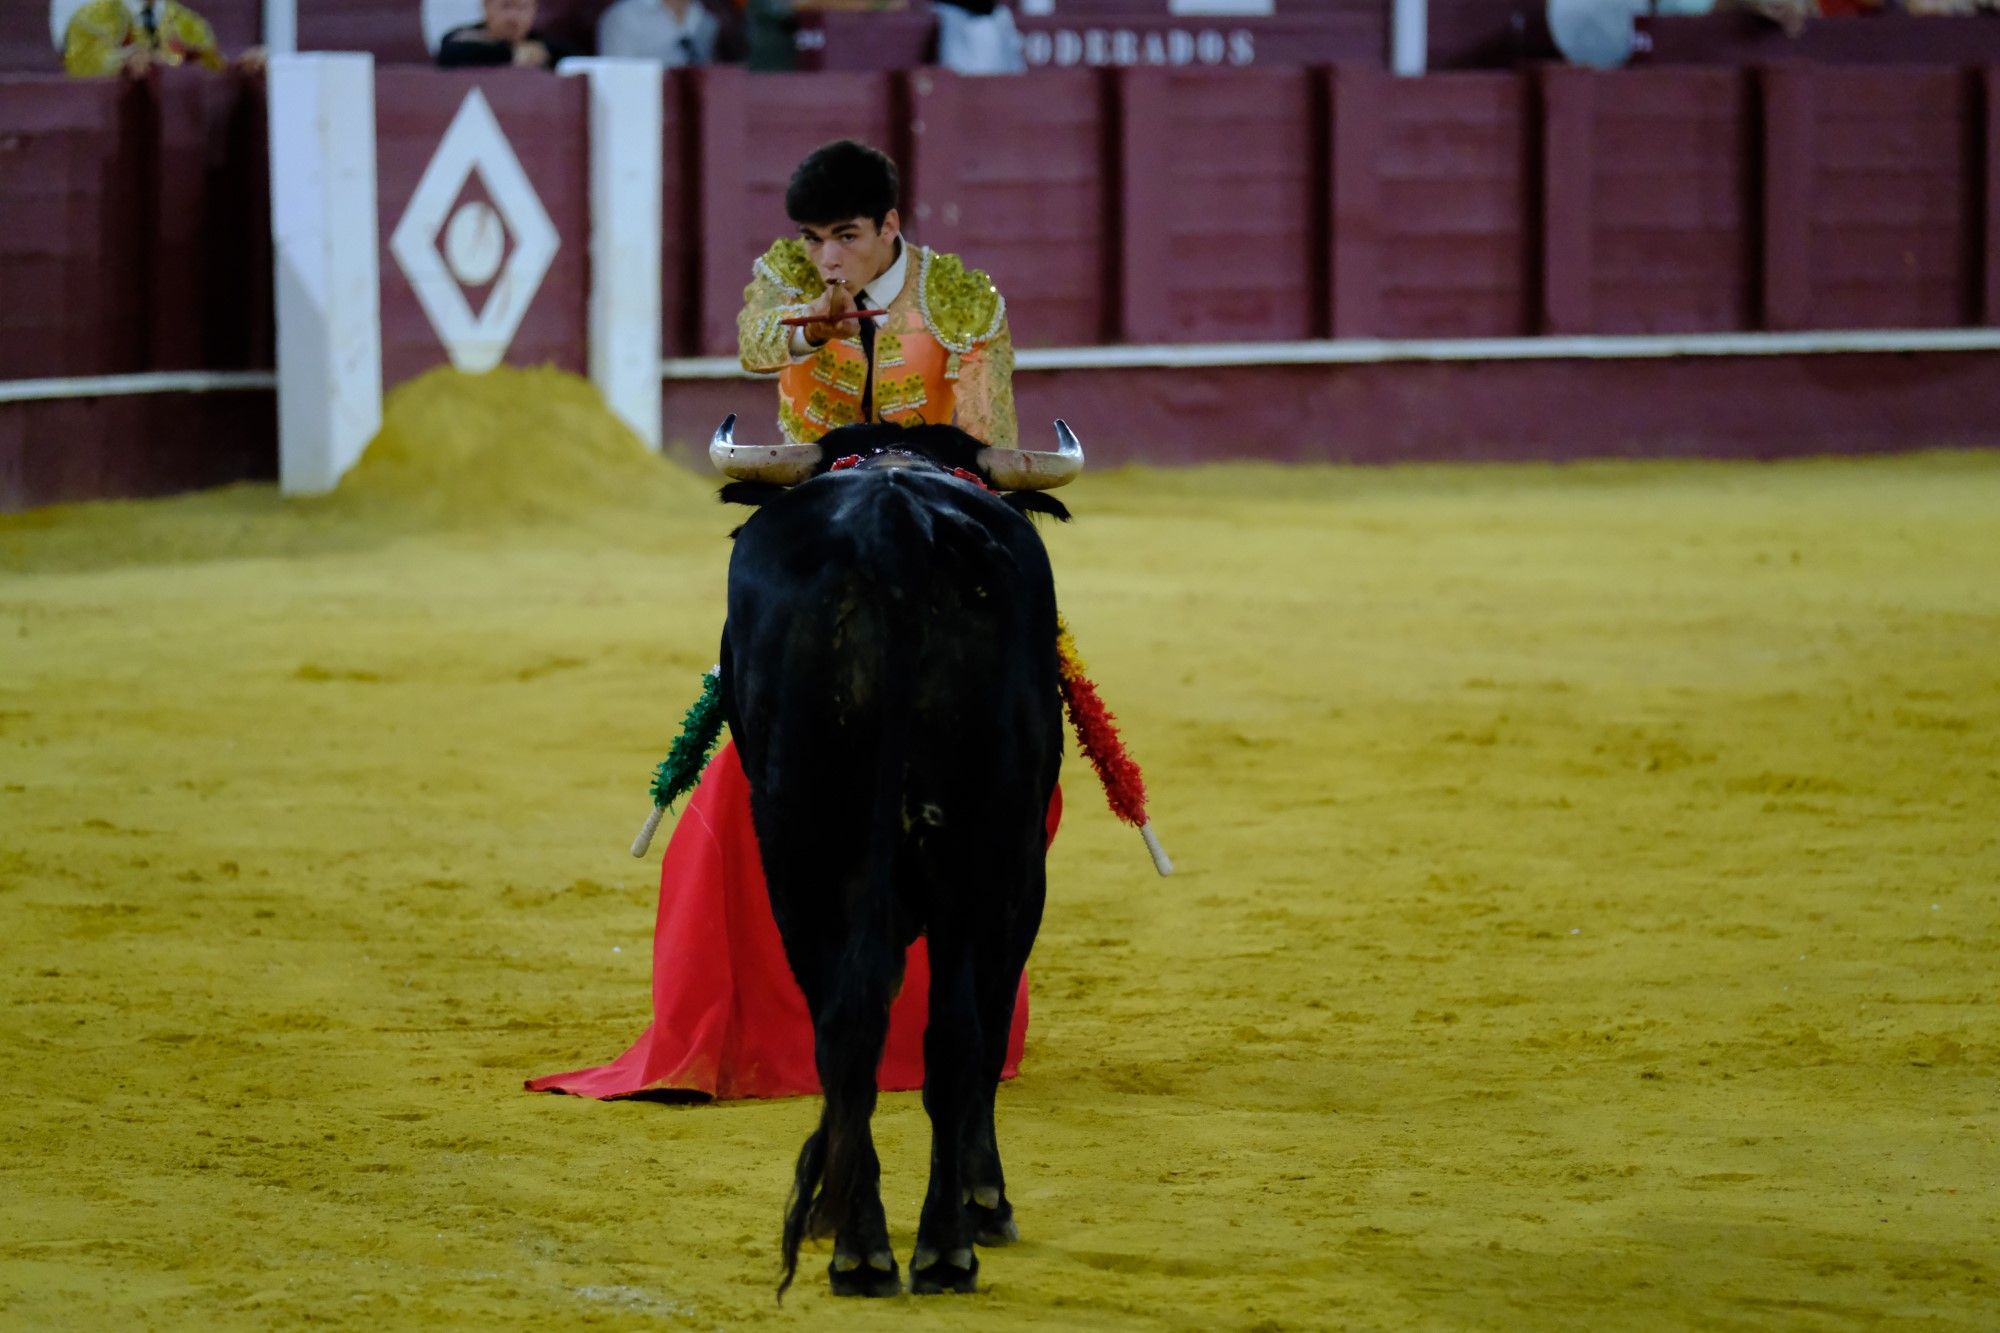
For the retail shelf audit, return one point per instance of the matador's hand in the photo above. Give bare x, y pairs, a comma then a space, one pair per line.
835, 300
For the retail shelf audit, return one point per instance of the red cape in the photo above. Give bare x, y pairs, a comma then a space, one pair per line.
728, 1020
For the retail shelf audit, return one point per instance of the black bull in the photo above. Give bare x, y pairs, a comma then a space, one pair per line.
890, 679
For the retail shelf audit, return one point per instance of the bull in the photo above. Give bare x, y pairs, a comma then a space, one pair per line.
890, 677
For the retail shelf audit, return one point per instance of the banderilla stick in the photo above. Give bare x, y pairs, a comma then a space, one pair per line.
800, 321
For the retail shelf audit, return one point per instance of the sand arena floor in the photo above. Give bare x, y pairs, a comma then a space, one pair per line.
1587, 914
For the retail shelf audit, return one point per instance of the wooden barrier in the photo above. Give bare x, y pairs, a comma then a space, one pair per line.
1431, 205
544, 122
1134, 206
1868, 39
134, 237
1019, 185
79, 165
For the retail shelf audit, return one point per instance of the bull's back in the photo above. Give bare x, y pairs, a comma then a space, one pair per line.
896, 596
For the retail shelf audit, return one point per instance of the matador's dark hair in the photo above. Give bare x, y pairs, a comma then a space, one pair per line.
842, 180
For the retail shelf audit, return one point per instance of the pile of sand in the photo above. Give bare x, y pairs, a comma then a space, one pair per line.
506, 446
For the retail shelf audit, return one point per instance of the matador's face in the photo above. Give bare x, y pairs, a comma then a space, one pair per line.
852, 252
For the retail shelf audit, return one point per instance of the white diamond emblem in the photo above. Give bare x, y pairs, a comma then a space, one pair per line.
475, 143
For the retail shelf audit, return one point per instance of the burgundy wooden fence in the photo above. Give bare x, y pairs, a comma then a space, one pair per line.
1120, 206
134, 235
1126, 206
546, 123
134, 226
1191, 205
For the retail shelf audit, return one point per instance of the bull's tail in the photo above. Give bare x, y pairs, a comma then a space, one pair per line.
837, 1171
808, 1187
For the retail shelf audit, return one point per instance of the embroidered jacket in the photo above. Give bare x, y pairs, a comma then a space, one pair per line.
943, 354
102, 33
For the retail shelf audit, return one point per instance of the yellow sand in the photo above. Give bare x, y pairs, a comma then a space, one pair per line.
1587, 911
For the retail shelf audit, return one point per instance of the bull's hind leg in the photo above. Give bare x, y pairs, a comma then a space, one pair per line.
944, 1258
849, 1037
837, 1187
1014, 902
985, 1179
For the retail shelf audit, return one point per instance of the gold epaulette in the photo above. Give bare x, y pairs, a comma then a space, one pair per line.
961, 306
787, 265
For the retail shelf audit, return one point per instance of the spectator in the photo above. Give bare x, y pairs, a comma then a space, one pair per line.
673, 32
978, 37
506, 35
770, 35
129, 37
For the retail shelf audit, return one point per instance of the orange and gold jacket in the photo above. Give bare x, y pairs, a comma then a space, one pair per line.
943, 355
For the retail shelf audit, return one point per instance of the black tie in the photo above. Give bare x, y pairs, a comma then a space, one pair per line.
868, 353
151, 24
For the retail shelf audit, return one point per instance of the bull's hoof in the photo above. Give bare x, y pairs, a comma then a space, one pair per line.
932, 1273
996, 1232
877, 1277
993, 1223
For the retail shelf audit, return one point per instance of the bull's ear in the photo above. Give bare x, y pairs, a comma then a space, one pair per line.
750, 492
1036, 502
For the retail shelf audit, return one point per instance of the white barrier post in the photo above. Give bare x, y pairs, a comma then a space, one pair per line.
626, 181
329, 295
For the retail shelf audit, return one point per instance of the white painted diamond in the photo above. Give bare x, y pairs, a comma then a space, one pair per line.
475, 142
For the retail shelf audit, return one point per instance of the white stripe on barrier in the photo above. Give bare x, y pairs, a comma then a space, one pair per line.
327, 271
125, 386
626, 135
1371, 351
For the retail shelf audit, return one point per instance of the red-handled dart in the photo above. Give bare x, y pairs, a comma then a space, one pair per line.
800, 321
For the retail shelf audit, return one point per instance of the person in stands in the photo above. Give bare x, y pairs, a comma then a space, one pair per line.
505, 35
671, 32
130, 37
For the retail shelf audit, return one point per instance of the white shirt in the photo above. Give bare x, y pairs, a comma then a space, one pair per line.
879, 293
648, 30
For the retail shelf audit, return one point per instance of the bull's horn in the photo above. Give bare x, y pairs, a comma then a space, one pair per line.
1026, 470
784, 464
